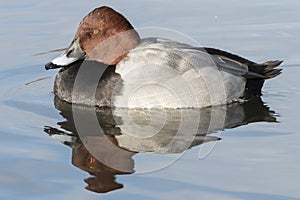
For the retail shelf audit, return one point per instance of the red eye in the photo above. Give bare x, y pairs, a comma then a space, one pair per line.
96, 31
92, 160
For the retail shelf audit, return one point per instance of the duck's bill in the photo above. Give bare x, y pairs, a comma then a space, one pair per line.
72, 55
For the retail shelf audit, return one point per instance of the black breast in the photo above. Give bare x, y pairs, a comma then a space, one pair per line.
96, 84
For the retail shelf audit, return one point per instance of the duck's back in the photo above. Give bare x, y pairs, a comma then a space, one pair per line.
165, 73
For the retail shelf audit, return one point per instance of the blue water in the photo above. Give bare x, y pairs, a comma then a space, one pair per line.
255, 161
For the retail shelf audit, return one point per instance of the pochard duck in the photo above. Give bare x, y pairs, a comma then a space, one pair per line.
109, 65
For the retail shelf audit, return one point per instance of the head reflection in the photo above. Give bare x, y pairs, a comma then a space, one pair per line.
102, 177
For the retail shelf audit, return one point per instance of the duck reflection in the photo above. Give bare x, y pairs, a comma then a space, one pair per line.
103, 141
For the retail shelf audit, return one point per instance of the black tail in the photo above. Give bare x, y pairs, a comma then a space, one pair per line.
257, 73
267, 70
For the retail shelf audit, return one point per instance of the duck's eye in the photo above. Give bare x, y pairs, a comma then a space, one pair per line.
96, 31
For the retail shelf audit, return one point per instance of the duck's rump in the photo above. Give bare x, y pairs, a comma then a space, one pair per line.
256, 74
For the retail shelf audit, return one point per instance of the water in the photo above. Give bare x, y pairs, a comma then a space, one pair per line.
254, 161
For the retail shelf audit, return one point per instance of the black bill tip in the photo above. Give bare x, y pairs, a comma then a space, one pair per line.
50, 65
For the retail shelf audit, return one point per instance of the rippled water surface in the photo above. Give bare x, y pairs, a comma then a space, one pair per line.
42, 156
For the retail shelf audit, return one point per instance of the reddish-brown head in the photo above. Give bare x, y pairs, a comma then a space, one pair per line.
106, 36
103, 35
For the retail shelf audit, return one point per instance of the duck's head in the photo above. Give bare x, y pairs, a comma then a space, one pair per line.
103, 35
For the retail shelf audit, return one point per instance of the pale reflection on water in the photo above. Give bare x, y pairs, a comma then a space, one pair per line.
110, 152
